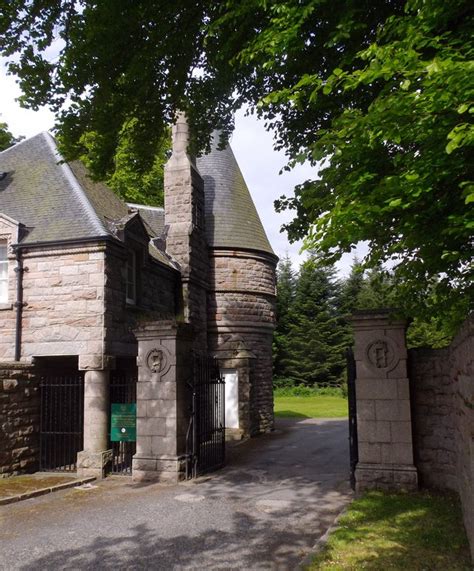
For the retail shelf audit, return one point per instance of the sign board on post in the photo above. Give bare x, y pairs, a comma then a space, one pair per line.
123, 422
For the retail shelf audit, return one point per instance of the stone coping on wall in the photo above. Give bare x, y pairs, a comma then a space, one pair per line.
16, 365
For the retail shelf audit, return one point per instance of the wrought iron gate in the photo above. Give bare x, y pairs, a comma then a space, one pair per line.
61, 420
123, 390
205, 440
351, 393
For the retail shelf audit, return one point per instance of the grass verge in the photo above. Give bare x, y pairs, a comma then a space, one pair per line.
410, 532
320, 406
16, 485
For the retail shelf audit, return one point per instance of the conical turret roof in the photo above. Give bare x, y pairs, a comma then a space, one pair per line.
232, 221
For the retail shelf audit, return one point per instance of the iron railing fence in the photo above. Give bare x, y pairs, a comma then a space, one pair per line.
351, 394
205, 439
61, 420
123, 390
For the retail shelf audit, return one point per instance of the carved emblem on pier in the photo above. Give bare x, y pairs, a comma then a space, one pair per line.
381, 354
155, 360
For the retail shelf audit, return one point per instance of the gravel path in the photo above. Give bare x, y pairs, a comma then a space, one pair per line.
278, 494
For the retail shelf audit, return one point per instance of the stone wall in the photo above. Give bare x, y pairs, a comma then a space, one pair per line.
19, 420
63, 292
157, 295
75, 301
241, 305
261, 382
442, 384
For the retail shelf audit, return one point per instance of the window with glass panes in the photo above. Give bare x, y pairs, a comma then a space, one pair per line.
3, 271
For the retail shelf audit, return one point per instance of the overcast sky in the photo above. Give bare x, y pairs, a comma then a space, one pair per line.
252, 146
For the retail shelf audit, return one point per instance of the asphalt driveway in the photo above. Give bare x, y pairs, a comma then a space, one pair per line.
278, 494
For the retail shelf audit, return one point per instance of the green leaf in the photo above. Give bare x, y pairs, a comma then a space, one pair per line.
469, 198
396, 202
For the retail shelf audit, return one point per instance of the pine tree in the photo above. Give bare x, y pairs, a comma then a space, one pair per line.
350, 289
347, 301
378, 290
285, 296
317, 338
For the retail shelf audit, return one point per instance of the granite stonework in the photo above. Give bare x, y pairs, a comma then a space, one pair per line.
209, 268
19, 419
241, 318
75, 304
157, 294
96, 455
63, 293
185, 234
443, 404
163, 400
383, 404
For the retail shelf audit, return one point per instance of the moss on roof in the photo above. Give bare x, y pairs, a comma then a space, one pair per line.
44, 195
232, 220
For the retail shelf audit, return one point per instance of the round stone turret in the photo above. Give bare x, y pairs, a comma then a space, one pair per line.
241, 295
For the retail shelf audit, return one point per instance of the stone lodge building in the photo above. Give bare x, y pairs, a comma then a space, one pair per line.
83, 276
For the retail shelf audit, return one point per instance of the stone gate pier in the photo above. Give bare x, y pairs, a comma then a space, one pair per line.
384, 427
163, 400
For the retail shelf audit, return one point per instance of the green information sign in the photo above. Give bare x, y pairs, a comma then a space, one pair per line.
123, 423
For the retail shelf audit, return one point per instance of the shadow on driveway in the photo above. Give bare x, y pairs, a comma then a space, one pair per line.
278, 494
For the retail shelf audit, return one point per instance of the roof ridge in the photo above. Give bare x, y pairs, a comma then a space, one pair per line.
158, 208
25, 140
75, 185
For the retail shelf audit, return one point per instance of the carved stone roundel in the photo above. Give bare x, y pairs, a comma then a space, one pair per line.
381, 354
155, 360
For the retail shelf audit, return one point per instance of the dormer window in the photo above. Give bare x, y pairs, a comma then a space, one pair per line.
3, 271
131, 285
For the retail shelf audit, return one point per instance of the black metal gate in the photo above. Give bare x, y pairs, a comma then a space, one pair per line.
123, 390
351, 393
61, 419
205, 440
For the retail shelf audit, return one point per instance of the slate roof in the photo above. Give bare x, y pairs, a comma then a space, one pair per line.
58, 201
54, 201
232, 220
153, 216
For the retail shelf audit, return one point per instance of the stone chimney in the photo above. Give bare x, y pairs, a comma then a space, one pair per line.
186, 239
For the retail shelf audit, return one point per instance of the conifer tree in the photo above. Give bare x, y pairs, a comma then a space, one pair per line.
350, 289
284, 301
317, 337
378, 290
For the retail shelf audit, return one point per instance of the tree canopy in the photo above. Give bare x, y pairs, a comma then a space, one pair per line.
380, 94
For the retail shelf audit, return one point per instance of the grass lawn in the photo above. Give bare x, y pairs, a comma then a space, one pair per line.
318, 406
411, 532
